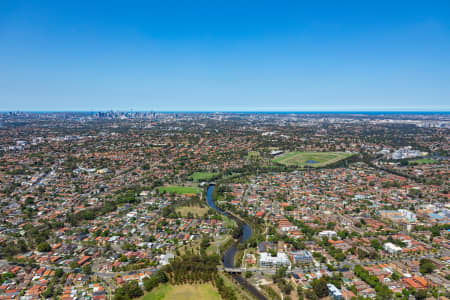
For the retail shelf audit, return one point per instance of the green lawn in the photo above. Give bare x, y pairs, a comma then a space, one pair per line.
229, 223
253, 154
185, 292
179, 189
423, 161
311, 159
158, 293
203, 176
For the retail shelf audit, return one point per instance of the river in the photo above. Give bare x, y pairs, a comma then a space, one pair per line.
230, 253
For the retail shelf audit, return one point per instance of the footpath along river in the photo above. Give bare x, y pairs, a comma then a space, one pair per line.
228, 257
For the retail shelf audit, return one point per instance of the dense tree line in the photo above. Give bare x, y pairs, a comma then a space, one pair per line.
152, 282
128, 291
192, 269
224, 291
319, 287
187, 269
9, 249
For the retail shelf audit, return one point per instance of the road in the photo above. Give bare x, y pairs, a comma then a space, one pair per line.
104, 275
341, 265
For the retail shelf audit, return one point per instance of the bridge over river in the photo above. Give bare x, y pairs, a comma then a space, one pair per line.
228, 258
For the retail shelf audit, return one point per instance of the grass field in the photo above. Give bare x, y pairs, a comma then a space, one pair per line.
253, 154
185, 292
423, 161
311, 159
195, 210
158, 293
179, 189
203, 176
193, 246
228, 222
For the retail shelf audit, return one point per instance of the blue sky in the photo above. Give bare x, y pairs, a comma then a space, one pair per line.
224, 55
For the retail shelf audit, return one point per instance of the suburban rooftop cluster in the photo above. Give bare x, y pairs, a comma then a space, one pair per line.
93, 205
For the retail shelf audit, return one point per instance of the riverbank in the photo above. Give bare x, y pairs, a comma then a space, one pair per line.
228, 258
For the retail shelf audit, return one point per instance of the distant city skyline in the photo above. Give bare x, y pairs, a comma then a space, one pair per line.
341, 109
224, 56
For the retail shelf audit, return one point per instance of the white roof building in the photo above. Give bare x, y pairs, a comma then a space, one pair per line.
391, 248
327, 233
267, 260
164, 259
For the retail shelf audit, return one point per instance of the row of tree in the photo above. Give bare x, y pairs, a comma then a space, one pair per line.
224, 291
383, 291
187, 269
128, 290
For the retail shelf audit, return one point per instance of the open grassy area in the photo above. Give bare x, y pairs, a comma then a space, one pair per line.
423, 161
179, 189
228, 222
158, 293
191, 247
203, 176
311, 159
186, 292
253, 154
195, 210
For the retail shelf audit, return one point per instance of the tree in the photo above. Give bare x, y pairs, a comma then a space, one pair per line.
149, 284
320, 287
59, 273
426, 266
129, 290
376, 244
279, 274
152, 282
134, 290
49, 292
44, 247
395, 276
383, 292
421, 294
331, 225
300, 293
285, 287
311, 295
22, 245
87, 269
73, 264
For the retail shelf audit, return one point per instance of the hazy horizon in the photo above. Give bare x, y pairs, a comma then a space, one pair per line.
380, 110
